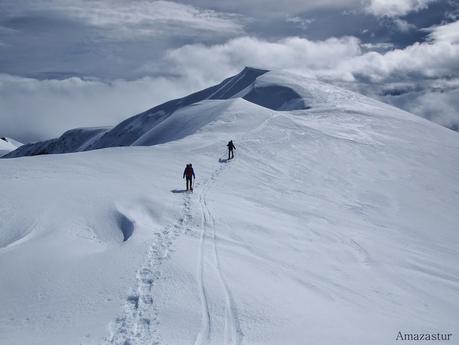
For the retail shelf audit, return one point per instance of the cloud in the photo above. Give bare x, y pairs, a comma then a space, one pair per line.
377, 46
335, 58
294, 53
445, 33
149, 18
302, 23
128, 20
118, 38
438, 106
420, 60
434, 59
32, 109
403, 25
395, 8
272, 8
102, 38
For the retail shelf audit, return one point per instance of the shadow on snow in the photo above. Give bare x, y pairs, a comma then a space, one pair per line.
179, 191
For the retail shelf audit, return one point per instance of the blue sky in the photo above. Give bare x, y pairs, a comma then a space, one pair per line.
73, 63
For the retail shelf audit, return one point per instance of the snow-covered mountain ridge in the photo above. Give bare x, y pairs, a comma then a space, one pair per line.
336, 223
272, 90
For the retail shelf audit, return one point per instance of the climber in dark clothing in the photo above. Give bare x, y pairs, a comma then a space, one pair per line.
189, 174
231, 147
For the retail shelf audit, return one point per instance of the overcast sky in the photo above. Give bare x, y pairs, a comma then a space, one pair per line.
72, 63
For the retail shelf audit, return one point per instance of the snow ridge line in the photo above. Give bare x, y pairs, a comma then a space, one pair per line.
139, 323
232, 334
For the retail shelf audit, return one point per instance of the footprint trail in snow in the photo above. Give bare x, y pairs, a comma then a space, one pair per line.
217, 326
139, 323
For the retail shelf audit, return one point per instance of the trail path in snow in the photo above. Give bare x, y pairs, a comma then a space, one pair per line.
139, 322
217, 326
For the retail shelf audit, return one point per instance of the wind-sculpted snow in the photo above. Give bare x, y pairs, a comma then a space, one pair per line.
335, 223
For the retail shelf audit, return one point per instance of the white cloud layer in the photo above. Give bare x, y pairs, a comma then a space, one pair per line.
445, 33
395, 8
32, 109
403, 25
438, 106
333, 59
124, 20
205, 62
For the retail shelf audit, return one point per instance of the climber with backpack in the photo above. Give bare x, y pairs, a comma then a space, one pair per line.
231, 147
188, 173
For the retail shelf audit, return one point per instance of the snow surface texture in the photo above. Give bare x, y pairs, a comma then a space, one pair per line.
336, 223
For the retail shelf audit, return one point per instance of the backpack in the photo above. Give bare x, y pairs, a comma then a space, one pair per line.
188, 171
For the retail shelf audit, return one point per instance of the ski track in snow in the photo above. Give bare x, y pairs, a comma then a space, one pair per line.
210, 333
138, 324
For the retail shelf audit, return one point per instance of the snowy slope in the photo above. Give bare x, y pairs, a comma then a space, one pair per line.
336, 223
74, 140
7, 145
273, 90
132, 129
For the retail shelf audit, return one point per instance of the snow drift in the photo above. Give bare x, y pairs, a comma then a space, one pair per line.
336, 223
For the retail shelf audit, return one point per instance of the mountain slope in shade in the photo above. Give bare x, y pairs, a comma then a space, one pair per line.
336, 223
7, 145
74, 140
